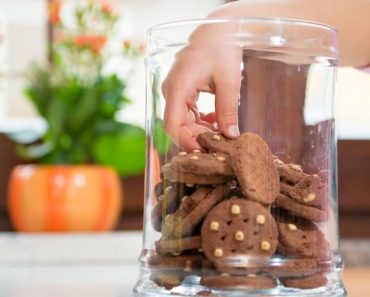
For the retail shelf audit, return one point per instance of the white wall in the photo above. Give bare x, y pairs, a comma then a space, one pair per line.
24, 23
26, 42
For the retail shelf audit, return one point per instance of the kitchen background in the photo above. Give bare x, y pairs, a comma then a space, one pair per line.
33, 32
27, 34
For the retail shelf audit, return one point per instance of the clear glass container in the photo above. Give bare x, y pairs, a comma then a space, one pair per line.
256, 215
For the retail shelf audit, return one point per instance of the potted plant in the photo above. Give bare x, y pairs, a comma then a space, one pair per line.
75, 186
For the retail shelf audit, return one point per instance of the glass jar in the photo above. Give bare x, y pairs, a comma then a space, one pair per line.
255, 215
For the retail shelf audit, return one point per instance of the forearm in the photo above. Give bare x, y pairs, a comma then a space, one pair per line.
350, 17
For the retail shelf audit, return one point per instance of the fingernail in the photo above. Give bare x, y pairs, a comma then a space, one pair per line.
233, 131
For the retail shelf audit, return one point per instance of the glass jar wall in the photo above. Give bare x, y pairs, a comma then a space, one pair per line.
253, 215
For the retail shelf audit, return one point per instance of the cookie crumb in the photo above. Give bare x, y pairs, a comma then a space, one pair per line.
225, 274
252, 275
235, 209
194, 157
196, 151
214, 226
239, 236
265, 245
292, 227
309, 198
189, 185
218, 252
183, 153
216, 137
260, 219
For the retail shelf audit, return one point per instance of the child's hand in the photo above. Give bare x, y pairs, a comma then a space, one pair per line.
202, 67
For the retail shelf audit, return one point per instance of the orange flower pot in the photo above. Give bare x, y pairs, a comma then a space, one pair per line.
64, 198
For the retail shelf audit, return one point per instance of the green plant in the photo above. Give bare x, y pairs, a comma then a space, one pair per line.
79, 99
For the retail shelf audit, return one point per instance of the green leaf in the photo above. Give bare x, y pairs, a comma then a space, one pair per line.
161, 140
123, 150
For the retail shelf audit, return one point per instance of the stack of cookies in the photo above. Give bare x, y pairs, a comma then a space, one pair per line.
238, 217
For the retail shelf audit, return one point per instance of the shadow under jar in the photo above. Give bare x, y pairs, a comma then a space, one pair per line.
256, 215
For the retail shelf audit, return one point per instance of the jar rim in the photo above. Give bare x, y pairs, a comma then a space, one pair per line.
218, 20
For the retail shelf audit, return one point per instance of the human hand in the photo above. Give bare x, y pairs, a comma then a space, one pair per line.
205, 65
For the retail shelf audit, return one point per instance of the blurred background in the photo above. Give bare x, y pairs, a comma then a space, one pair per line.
72, 92
95, 49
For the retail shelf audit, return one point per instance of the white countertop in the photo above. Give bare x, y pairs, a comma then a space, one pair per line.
105, 264
83, 265
68, 281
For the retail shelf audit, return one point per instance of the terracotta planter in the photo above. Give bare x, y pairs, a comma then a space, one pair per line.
64, 198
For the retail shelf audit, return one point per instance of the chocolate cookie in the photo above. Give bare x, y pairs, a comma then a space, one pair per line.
311, 191
300, 210
193, 178
305, 283
238, 282
160, 187
192, 211
289, 173
254, 167
168, 203
167, 279
215, 142
238, 227
285, 267
186, 263
301, 238
205, 164
177, 246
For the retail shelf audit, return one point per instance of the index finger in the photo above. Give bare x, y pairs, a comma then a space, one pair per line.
179, 120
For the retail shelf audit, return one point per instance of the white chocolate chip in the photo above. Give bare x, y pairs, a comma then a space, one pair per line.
214, 226
295, 167
194, 157
196, 151
235, 209
220, 158
278, 162
260, 219
167, 189
292, 227
184, 198
309, 198
218, 252
239, 236
216, 137
265, 245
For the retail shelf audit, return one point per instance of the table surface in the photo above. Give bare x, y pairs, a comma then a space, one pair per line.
110, 281
69, 276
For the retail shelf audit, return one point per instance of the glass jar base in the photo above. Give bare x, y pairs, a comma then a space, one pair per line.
191, 287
